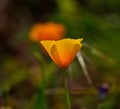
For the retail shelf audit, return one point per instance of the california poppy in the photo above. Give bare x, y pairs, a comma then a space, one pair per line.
62, 52
47, 31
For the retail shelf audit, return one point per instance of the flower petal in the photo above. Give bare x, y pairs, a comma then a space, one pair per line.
47, 45
47, 31
65, 50
55, 56
62, 52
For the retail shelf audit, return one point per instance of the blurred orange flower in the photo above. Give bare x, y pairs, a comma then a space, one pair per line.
47, 31
62, 52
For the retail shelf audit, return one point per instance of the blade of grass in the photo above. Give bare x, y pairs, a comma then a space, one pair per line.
41, 102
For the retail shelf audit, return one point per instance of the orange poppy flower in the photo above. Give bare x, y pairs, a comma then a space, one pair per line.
62, 52
47, 31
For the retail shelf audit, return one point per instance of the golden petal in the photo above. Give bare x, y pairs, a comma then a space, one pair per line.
47, 45
55, 56
66, 48
63, 51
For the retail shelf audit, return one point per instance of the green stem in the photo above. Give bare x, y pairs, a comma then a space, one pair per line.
40, 102
67, 92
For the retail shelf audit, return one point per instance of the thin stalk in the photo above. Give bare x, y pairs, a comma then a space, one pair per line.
67, 91
40, 102
82, 63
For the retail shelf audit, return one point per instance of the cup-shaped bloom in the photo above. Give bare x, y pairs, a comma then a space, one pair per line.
62, 52
47, 31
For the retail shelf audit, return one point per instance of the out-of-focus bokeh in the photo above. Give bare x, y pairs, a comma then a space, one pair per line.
26, 71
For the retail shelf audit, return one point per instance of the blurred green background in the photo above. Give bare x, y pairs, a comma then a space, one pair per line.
26, 73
